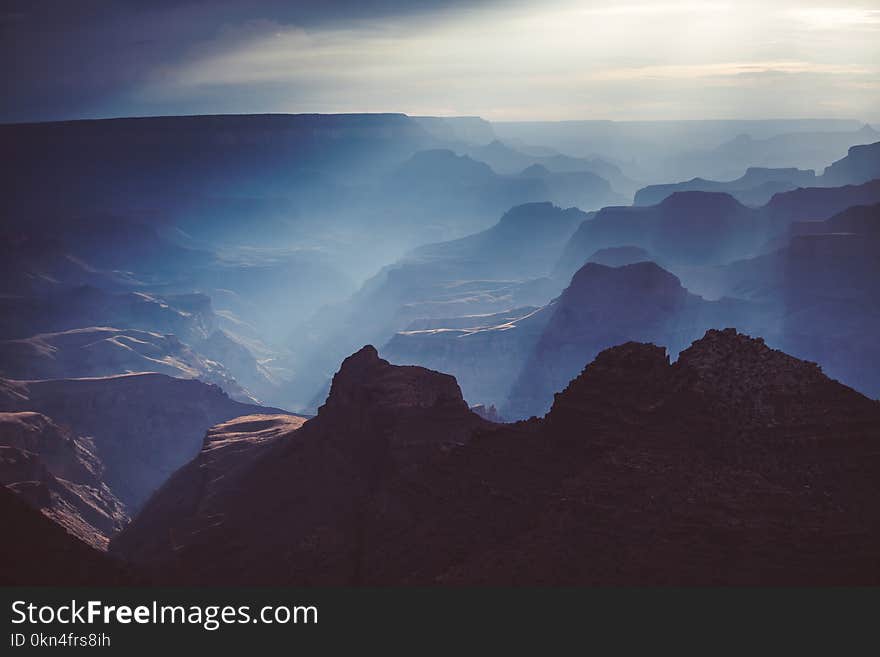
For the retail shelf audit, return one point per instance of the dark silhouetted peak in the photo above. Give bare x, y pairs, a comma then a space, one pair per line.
725, 359
725, 381
366, 381
603, 306
365, 357
628, 375
745, 383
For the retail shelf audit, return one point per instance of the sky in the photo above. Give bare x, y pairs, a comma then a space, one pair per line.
502, 60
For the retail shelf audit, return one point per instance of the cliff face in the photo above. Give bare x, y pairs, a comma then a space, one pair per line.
103, 351
604, 306
379, 421
737, 464
819, 294
687, 228
145, 156
485, 359
690, 229
59, 474
861, 164
41, 553
143, 426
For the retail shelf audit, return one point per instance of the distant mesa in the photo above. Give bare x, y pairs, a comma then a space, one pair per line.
861, 164
756, 187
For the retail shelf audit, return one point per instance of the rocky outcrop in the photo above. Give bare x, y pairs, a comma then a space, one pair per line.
38, 552
861, 164
379, 421
59, 474
189, 317
105, 351
755, 187
604, 306
701, 229
143, 426
735, 465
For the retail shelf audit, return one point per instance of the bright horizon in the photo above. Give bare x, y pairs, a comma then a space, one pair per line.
502, 61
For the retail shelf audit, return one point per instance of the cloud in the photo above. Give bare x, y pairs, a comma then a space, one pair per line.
527, 59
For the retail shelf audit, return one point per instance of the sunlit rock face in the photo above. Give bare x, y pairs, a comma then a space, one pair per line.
142, 426
59, 473
41, 552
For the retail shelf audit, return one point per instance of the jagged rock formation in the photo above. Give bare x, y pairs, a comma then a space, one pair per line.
188, 316
604, 306
38, 552
379, 421
736, 465
143, 426
59, 473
